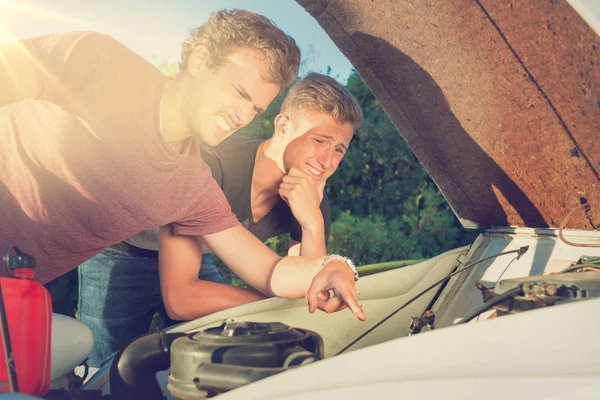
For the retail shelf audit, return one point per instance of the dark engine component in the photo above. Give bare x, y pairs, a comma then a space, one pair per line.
522, 294
234, 354
133, 371
540, 291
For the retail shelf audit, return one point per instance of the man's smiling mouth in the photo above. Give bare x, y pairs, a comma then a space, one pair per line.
314, 171
223, 123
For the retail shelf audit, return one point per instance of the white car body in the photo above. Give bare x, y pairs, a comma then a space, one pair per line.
547, 352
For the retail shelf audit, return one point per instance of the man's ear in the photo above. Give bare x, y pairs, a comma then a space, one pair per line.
198, 61
282, 124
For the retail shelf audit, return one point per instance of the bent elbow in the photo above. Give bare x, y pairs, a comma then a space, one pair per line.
183, 305
177, 305
173, 307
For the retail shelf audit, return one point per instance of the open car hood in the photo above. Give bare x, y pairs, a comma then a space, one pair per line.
499, 100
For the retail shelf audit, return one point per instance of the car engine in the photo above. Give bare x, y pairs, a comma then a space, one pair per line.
212, 361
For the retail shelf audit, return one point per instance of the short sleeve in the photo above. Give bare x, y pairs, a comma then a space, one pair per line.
209, 214
67, 62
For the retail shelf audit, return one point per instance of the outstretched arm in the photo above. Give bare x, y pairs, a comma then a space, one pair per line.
186, 297
292, 277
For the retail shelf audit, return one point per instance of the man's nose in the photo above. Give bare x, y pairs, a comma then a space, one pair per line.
326, 157
244, 115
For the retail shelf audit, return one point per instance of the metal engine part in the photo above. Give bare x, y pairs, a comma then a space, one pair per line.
542, 291
234, 354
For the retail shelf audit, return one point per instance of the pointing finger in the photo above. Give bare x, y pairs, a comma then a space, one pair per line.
353, 305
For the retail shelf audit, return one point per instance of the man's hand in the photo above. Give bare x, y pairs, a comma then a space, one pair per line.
304, 198
290, 277
335, 276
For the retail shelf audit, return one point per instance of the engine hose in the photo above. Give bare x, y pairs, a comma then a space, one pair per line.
516, 291
133, 371
563, 224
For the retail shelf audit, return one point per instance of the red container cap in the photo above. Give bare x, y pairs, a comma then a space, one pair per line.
28, 313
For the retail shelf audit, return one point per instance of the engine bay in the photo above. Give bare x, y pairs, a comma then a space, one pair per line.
219, 355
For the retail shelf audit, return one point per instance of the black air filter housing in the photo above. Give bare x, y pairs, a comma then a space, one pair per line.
237, 353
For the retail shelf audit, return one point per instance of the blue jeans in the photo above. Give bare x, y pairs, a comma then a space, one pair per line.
118, 296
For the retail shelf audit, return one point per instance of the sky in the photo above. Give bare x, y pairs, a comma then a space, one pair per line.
155, 29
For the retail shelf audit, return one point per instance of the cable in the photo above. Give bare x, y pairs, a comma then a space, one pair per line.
583, 267
500, 277
595, 269
585, 206
520, 251
516, 291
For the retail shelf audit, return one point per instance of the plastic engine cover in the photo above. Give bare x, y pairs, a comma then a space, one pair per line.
237, 353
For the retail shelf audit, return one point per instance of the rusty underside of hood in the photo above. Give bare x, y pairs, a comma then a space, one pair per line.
499, 100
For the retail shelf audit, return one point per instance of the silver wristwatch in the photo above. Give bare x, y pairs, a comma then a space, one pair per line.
348, 262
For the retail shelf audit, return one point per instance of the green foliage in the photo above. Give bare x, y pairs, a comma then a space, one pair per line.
364, 240
280, 244
368, 240
228, 276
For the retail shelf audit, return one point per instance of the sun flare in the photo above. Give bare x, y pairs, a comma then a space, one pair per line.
16, 5
5, 36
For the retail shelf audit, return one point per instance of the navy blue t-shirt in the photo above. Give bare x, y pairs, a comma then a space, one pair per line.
232, 166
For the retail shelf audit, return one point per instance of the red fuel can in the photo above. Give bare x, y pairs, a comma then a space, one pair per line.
28, 315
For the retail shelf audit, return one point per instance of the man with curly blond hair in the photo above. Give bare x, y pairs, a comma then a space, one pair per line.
98, 145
